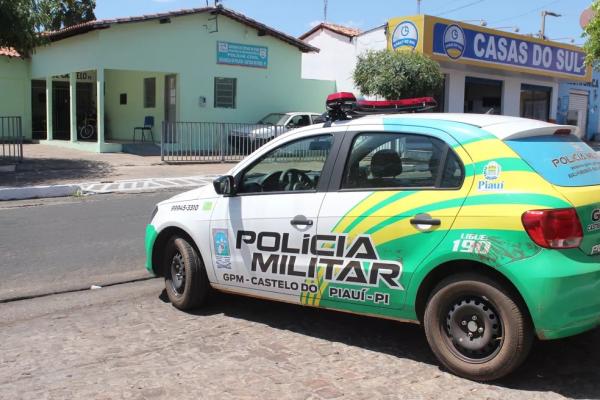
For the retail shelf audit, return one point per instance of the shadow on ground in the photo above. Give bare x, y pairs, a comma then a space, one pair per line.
569, 367
48, 171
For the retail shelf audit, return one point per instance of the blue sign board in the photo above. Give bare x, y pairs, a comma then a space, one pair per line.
476, 46
242, 54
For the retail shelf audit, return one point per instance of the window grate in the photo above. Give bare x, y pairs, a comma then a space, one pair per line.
225, 92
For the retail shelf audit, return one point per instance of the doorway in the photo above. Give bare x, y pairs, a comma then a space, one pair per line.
578, 110
170, 98
535, 101
169, 131
38, 109
483, 96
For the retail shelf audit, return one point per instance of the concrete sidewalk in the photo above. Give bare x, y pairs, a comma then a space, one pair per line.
52, 165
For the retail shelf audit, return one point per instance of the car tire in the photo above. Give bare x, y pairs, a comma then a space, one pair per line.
186, 282
475, 327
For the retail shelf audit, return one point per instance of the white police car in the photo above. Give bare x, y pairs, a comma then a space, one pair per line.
485, 229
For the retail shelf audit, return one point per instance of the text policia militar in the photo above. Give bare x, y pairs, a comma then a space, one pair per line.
352, 262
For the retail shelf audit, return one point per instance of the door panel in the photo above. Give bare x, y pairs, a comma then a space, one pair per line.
268, 253
403, 213
265, 237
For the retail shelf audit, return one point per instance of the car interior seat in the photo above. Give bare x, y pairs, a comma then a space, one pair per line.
385, 163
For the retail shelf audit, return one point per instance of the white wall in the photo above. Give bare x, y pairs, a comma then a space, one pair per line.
337, 58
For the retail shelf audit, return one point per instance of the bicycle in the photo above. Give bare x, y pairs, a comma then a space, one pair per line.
89, 127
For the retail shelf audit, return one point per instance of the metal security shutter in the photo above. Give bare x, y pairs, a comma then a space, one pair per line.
578, 109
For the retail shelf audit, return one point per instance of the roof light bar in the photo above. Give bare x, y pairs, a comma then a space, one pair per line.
343, 105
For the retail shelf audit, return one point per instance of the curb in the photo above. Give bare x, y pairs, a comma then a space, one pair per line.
34, 192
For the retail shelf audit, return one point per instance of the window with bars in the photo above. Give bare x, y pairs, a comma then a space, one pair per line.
225, 91
149, 92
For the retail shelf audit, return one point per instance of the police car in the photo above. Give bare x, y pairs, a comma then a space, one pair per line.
484, 229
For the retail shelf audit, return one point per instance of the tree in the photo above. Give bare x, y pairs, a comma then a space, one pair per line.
397, 74
592, 34
58, 14
18, 20
22, 20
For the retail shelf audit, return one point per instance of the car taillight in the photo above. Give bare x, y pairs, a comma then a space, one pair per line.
553, 229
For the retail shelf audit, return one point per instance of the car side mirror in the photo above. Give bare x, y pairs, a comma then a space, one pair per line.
225, 185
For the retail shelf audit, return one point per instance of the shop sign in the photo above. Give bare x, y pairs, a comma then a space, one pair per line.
85, 76
242, 54
458, 42
453, 41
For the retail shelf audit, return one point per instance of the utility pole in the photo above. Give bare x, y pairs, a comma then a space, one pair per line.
324, 10
543, 29
418, 7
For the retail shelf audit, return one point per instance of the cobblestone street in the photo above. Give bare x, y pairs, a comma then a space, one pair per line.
126, 342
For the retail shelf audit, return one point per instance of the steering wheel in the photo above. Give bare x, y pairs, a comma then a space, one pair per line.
294, 179
270, 182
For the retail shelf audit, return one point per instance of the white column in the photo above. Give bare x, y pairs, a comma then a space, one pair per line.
49, 131
456, 92
554, 101
100, 106
73, 104
511, 97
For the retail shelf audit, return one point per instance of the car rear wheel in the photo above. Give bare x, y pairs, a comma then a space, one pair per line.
475, 328
186, 282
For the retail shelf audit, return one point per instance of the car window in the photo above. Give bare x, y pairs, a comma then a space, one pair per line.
299, 120
396, 160
272, 119
317, 119
563, 160
294, 166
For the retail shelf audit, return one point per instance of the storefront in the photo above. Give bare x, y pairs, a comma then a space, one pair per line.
485, 70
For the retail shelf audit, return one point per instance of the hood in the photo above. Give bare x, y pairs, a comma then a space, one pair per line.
201, 193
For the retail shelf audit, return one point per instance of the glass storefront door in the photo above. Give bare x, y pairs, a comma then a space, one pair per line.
483, 96
535, 101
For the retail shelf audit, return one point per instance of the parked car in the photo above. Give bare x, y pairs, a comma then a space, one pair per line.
246, 138
485, 229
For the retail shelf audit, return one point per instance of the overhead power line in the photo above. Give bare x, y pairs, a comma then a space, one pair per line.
527, 12
461, 7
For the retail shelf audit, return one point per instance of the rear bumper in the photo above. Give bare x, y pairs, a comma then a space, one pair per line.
561, 289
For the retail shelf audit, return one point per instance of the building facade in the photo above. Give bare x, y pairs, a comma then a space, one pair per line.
485, 70
209, 64
579, 104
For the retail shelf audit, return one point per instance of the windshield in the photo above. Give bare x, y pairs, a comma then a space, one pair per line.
562, 160
272, 119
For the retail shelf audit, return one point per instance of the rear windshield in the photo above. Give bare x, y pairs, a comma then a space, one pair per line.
562, 160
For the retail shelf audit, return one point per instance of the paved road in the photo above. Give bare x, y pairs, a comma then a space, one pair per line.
126, 342
65, 244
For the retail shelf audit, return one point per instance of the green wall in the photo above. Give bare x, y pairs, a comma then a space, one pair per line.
15, 91
121, 119
187, 48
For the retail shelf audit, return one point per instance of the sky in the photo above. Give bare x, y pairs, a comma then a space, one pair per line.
295, 17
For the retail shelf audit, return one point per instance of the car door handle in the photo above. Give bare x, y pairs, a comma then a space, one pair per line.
418, 220
298, 221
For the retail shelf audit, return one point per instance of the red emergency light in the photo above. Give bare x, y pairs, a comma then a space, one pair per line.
343, 105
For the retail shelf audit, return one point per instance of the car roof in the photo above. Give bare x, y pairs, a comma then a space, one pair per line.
300, 112
502, 126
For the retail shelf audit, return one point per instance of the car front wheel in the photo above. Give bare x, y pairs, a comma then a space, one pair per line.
186, 282
475, 328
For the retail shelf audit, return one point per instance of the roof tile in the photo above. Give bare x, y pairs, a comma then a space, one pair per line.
103, 24
342, 30
9, 52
